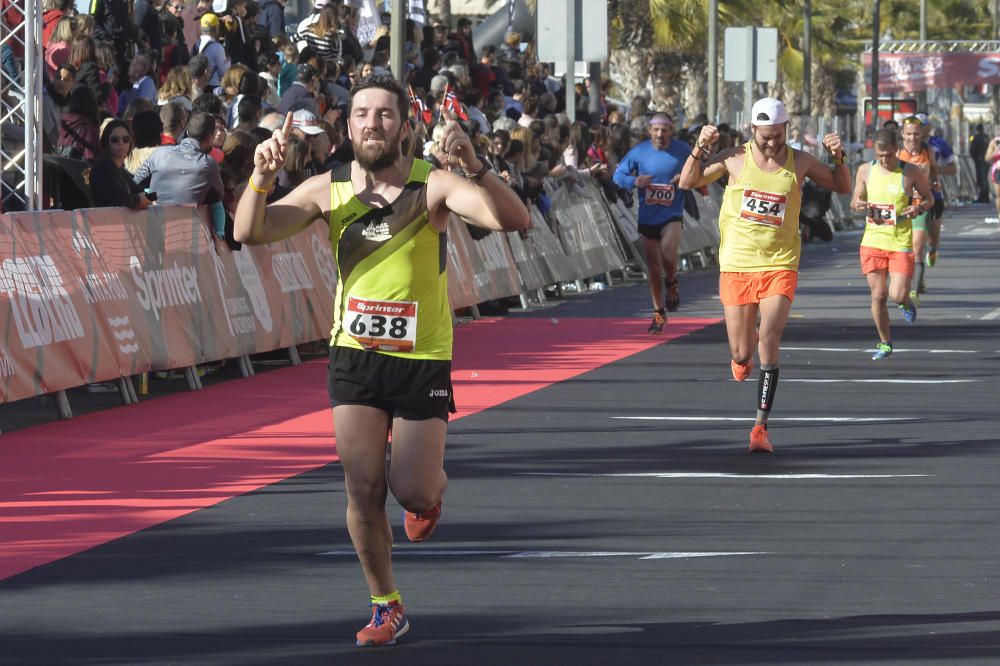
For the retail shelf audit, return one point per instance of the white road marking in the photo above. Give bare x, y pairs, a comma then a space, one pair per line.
978, 232
548, 554
894, 351
791, 419
880, 381
992, 315
723, 475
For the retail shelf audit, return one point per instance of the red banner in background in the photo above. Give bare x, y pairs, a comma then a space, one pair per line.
912, 72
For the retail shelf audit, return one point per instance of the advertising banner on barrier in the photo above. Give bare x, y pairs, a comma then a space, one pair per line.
51, 332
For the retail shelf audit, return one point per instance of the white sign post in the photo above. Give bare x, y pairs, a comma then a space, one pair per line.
751, 57
571, 31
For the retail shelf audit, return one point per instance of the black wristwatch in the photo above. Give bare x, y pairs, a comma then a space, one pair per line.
477, 176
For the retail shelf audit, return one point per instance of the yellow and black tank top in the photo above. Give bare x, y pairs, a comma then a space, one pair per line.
392, 292
887, 199
759, 218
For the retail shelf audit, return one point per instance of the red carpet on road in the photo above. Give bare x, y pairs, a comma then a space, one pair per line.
72, 485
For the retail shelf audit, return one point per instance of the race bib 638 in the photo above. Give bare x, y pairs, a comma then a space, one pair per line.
381, 325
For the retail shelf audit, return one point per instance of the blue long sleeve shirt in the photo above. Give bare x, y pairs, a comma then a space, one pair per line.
661, 201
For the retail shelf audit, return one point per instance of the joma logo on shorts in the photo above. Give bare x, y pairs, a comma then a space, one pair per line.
439, 393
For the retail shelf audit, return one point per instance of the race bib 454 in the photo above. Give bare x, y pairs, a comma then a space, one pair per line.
381, 325
765, 208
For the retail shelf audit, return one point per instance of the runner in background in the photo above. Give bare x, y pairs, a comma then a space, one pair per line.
947, 164
654, 166
759, 244
916, 151
882, 189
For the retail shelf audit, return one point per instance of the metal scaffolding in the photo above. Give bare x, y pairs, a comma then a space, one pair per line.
21, 105
936, 46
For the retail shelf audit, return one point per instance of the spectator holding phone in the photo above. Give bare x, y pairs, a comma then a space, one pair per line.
110, 182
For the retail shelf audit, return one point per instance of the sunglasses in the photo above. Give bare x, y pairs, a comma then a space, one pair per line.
177, 7
912, 120
120, 139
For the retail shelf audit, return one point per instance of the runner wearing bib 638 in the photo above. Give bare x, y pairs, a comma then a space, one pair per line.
883, 191
654, 167
759, 242
390, 352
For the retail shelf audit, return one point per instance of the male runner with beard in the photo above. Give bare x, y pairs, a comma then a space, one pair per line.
759, 244
391, 344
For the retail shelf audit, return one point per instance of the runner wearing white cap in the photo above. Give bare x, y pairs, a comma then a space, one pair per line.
759, 244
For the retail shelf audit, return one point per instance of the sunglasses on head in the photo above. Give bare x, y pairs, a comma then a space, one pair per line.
912, 120
120, 139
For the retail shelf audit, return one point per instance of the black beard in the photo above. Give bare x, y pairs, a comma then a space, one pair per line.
375, 159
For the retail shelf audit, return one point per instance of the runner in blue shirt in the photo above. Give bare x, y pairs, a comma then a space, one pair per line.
654, 166
947, 164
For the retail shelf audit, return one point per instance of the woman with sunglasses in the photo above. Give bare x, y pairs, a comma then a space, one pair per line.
110, 182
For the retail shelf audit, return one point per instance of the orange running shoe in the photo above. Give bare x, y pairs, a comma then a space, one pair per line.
388, 624
741, 371
759, 443
656, 327
419, 526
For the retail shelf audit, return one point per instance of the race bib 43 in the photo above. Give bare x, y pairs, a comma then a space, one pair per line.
660, 195
881, 213
765, 208
381, 325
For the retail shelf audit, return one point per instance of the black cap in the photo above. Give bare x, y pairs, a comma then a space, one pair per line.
305, 71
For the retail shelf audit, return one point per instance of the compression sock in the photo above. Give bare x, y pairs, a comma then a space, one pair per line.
918, 274
767, 384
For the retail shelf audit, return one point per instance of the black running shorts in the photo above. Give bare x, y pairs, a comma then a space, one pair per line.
655, 231
405, 388
938, 209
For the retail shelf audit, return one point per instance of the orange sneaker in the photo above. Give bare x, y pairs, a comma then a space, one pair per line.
741, 371
419, 526
388, 623
759, 443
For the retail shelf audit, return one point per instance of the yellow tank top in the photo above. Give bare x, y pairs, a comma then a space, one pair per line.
392, 292
759, 218
886, 194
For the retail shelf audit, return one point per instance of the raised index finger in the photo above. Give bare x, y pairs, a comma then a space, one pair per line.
286, 128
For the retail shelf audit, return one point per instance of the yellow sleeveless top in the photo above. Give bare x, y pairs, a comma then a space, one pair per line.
759, 218
392, 292
885, 193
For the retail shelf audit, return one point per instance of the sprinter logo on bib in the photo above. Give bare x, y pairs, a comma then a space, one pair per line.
382, 325
660, 195
764, 208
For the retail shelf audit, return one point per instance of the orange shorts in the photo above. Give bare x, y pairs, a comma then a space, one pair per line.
874, 259
747, 288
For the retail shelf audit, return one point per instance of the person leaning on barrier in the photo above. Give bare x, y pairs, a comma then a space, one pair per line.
759, 246
185, 173
110, 182
391, 345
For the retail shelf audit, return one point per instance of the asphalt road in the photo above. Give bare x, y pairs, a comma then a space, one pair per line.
616, 518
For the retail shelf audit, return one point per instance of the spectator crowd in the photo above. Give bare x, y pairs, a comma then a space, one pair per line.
161, 119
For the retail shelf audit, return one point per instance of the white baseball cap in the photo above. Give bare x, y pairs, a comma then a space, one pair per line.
306, 120
768, 111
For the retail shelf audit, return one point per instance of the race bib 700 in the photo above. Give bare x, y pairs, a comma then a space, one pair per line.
765, 208
381, 325
660, 195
